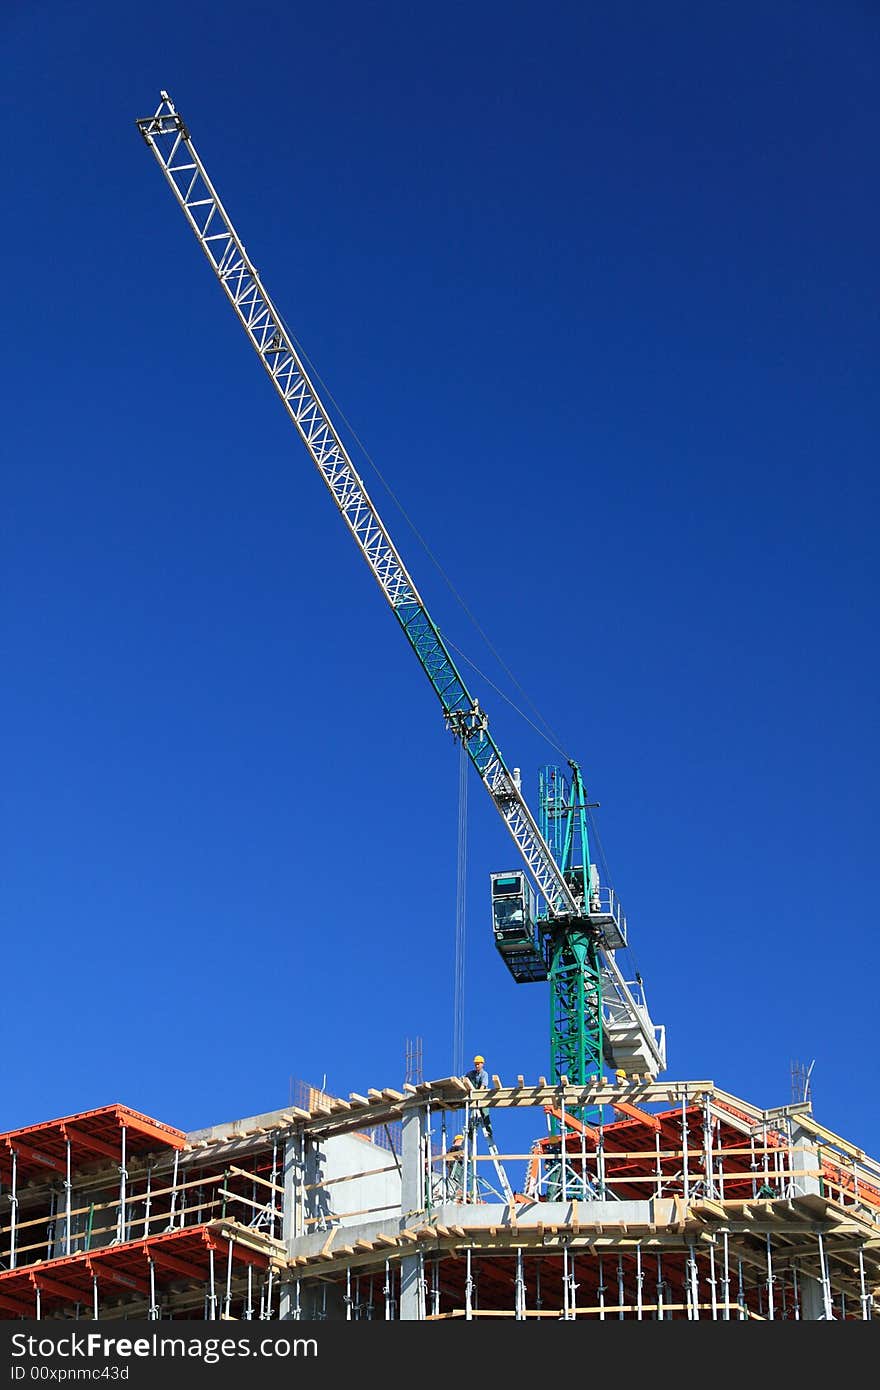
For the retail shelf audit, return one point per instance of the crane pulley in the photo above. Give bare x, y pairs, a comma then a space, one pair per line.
611, 997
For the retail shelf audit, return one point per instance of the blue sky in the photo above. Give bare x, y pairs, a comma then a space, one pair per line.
597, 286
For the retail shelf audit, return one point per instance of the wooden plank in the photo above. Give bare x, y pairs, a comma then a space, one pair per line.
256, 1206
254, 1177
348, 1177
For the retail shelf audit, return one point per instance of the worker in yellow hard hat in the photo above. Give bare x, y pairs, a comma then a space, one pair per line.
478, 1076
479, 1079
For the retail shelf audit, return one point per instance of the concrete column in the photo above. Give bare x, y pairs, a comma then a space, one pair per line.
811, 1298
804, 1159
805, 1156
292, 1181
412, 1300
412, 1203
412, 1177
293, 1178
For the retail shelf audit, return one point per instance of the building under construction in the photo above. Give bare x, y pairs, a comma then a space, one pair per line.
671, 1200
632, 1198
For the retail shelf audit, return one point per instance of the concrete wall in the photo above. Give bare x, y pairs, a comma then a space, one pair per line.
367, 1195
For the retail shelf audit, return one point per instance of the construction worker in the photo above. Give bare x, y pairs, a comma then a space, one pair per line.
479, 1079
455, 1168
478, 1076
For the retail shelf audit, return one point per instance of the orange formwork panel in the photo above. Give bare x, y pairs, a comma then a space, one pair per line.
837, 1177
119, 1269
92, 1134
630, 1145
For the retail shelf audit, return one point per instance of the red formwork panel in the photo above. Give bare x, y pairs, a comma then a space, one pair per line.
93, 1135
177, 1256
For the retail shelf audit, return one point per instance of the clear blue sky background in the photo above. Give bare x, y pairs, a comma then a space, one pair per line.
597, 286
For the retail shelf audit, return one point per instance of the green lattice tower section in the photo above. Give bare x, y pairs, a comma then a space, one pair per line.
576, 1043
574, 967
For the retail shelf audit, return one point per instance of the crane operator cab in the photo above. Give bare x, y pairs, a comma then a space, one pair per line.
513, 925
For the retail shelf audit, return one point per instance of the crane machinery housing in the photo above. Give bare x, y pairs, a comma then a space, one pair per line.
552, 919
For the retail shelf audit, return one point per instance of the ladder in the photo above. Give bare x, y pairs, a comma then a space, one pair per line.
496, 1159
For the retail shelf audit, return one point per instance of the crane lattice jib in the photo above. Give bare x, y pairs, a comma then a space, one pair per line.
167, 136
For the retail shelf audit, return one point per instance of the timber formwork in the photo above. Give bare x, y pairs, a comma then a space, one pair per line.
632, 1200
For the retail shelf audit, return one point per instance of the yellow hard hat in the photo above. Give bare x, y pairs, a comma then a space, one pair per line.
457, 1137
478, 1058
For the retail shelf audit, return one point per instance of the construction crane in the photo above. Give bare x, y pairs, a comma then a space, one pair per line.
552, 921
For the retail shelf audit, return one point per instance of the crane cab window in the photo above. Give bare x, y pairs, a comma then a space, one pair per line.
511, 909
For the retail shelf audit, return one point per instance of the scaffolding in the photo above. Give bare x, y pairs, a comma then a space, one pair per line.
686, 1203
108, 1213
